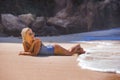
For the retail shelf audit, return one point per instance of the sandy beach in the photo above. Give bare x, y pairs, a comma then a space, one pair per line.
15, 67
34, 33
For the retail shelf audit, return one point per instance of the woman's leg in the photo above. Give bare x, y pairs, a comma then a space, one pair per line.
62, 51
58, 50
77, 49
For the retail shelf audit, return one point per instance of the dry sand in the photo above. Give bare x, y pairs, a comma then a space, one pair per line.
15, 67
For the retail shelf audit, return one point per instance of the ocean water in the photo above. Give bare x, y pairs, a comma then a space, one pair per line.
104, 57
110, 34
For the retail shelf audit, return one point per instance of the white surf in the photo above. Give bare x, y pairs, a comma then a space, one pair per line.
104, 57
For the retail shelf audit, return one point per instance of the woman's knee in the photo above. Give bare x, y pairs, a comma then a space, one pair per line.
56, 46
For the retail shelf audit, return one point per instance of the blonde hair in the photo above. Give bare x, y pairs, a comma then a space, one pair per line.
24, 32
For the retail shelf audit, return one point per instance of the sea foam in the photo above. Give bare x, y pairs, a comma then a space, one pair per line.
105, 58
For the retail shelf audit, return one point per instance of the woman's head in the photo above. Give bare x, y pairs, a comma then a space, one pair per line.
27, 34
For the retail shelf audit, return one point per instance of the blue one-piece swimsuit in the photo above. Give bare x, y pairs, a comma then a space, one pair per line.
46, 50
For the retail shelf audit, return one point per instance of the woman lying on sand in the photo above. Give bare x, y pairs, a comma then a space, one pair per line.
34, 46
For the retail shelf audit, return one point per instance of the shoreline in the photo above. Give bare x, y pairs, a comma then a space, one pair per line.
15, 67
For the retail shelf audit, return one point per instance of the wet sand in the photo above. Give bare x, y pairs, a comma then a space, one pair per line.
15, 67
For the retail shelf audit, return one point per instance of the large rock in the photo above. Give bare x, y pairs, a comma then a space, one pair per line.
39, 23
12, 24
59, 5
1, 28
58, 21
2, 34
48, 31
68, 25
87, 15
60, 24
27, 19
40, 27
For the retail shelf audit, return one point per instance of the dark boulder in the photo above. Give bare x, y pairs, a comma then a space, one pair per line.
27, 19
40, 27
12, 25
87, 15
48, 31
1, 28
39, 23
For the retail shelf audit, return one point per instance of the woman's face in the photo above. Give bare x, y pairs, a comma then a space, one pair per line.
30, 35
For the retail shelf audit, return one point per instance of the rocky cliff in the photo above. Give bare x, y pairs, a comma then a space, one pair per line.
56, 17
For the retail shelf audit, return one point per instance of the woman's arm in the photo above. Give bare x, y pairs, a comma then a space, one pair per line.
26, 46
24, 53
32, 50
26, 49
35, 47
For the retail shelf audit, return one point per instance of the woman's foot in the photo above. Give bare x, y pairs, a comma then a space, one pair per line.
73, 49
77, 49
80, 51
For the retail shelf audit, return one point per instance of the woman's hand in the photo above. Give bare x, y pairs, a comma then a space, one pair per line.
24, 53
